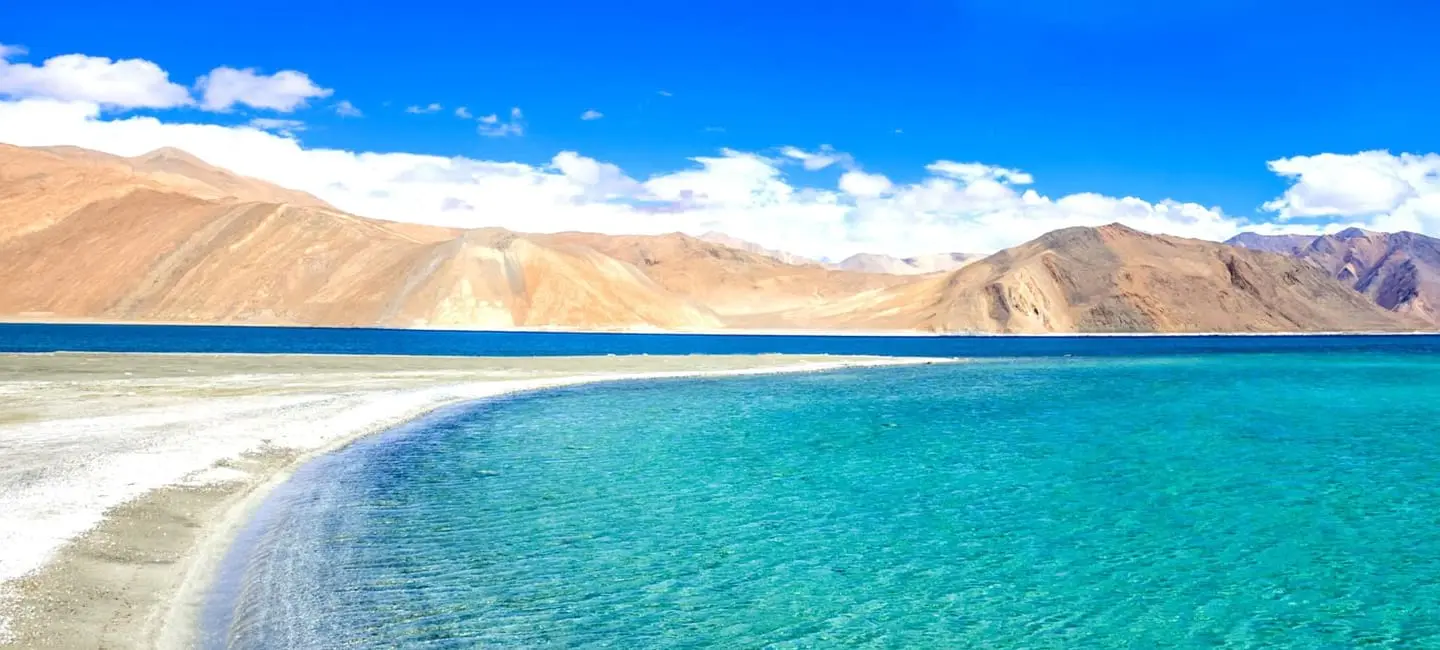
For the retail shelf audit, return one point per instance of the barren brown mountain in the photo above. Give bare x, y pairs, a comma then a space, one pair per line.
747, 289
1115, 279
167, 237
86, 238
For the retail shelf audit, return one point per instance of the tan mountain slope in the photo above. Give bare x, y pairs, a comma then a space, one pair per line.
1115, 279
181, 171
746, 289
41, 184
117, 247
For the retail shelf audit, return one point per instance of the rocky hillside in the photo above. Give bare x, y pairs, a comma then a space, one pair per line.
1398, 271
1115, 279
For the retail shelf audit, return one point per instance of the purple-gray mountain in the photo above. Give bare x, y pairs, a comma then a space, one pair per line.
1399, 271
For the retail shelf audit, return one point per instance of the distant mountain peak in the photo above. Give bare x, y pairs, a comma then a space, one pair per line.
1356, 233
917, 265
717, 237
1288, 244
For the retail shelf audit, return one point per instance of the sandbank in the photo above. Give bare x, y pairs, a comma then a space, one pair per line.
126, 475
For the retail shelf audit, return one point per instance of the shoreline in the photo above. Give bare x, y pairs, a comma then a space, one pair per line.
856, 333
138, 576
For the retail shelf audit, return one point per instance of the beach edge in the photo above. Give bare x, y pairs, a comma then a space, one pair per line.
145, 571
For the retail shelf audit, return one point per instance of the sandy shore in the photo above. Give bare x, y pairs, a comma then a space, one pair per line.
125, 476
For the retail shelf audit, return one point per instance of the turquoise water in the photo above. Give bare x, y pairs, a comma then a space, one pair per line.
1244, 501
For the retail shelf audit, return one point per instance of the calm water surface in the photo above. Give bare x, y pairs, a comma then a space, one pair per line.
22, 337
1240, 500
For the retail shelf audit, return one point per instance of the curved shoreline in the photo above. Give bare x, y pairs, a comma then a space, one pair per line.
139, 578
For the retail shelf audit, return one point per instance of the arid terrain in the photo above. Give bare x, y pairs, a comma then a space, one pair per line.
1398, 271
167, 237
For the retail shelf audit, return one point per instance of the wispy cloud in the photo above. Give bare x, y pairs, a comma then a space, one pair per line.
422, 110
463, 113
664, 93
344, 108
491, 126
591, 114
283, 127
824, 157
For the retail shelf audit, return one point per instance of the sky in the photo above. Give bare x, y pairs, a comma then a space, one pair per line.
902, 127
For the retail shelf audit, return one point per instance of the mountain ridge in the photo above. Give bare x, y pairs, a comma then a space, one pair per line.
83, 236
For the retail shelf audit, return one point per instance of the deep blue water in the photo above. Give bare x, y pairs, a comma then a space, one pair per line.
296, 340
1177, 501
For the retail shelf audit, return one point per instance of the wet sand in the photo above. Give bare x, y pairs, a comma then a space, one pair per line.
125, 476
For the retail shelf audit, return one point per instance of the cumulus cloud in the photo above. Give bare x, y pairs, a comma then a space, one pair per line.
284, 91
120, 84
421, 110
860, 184
1366, 184
591, 114
463, 113
746, 194
491, 126
344, 108
759, 196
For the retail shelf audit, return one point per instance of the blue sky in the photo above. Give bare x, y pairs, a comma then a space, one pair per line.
1154, 100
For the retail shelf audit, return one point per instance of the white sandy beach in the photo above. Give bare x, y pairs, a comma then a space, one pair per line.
125, 474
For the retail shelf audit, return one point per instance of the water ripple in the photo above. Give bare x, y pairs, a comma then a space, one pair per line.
1239, 501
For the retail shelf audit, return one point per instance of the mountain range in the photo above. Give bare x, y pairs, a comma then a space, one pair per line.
166, 237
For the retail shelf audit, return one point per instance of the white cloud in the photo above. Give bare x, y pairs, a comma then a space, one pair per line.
284, 91
745, 194
463, 113
286, 127
491, 125
820, 159
421, 110
591, 114
860, 184
972, 172
953, 207
126, 83
664, 93
1366, 184
344, 108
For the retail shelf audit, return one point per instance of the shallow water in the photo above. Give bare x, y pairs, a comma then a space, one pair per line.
1247, 501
